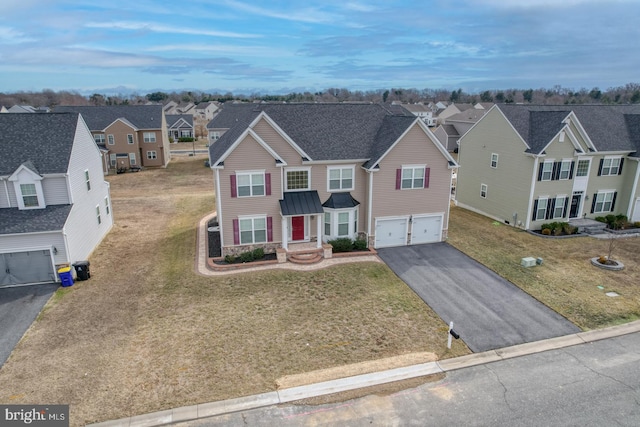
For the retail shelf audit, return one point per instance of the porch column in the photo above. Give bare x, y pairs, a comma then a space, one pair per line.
284, 233
319, 220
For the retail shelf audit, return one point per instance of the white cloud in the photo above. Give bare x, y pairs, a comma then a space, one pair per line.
308, 15
10, 35
147, 26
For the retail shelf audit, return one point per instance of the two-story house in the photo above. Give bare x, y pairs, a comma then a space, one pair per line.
179, 126
55, 206
289, 173
130, 135
525, 165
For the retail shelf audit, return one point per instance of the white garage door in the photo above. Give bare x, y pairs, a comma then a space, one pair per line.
391, 232
18, 268
426, 229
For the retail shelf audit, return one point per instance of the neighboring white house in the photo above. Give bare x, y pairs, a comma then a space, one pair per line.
55, 206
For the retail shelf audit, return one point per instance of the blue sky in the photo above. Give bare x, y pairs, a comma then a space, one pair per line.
283, 46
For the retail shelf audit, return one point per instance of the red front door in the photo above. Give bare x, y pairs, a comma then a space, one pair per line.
297, 228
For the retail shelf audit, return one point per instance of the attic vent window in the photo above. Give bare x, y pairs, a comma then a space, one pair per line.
561, 139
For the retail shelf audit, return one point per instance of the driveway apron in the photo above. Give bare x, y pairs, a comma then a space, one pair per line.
19, 306
488, 311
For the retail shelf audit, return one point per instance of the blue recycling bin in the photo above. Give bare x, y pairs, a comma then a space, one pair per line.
65, 276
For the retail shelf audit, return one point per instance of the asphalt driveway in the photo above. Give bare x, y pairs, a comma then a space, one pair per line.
19, 306
488, 311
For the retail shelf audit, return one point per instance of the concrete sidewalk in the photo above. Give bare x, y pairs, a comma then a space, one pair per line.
212, 409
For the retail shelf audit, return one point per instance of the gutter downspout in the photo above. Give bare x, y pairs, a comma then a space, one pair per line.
219, 206
370, 205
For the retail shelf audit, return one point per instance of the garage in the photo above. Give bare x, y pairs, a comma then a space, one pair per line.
426, 229
18, 268
391, 232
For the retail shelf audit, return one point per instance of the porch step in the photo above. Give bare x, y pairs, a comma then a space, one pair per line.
589, 226
305, 257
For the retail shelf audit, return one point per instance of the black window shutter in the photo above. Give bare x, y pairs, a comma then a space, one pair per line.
573, 164
613, 201
566, 204
556, 171
593, 202
551, 204
600, 167
535, 210
540, 171
620, 168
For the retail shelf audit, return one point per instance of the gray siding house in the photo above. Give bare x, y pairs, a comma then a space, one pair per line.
526, 165
55, 206
309, 173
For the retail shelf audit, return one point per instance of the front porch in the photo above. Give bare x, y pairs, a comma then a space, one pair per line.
588, 226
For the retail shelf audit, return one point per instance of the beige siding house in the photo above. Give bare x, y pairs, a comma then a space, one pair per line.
129, 136
528, 165
309, 173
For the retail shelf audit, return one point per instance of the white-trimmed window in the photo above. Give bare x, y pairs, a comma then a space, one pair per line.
98, 214
297, 179
107, 208
558, 208
87, 179
582, 168
253, 230
29, 195
341, 223
250, 184
99, 138
412, 177
541, 208
149, 136
604, 202
494, 160
113, 160
340, 178
185, 133
152, 155
132, 158
129, 138
483, 191
565, 169
214, 136
111, 139
610, 166
547, 171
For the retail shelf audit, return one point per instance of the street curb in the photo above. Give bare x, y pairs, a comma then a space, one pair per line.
205, 410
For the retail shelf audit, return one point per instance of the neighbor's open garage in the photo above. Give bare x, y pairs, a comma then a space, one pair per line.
19, 268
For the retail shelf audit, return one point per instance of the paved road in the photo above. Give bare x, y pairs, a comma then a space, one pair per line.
19, 306
594, 384
488, 311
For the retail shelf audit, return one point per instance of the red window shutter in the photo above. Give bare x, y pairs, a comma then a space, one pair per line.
269, 229
234, 188
426, 177
398, 178
267, 184
236, 232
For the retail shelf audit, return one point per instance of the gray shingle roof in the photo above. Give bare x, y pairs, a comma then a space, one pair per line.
173, 118
51, 218
340, 201
322, 131
98, 118
610, 127
44, 140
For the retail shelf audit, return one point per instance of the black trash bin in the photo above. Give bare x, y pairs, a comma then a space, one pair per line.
82, 270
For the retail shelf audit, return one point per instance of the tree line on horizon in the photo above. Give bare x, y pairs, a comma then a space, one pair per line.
627, 94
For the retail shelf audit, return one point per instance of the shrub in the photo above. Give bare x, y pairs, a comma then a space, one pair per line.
568, 228
636, 224
229, 259
342, 244
360, 244
546, 231
185, 139
258, 253
246, 256
600, 219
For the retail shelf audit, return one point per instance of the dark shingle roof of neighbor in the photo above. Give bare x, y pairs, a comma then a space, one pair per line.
42, 142
99, 117
450, 130
322, 131
173, 118
51, 218
340, 201
610, 127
